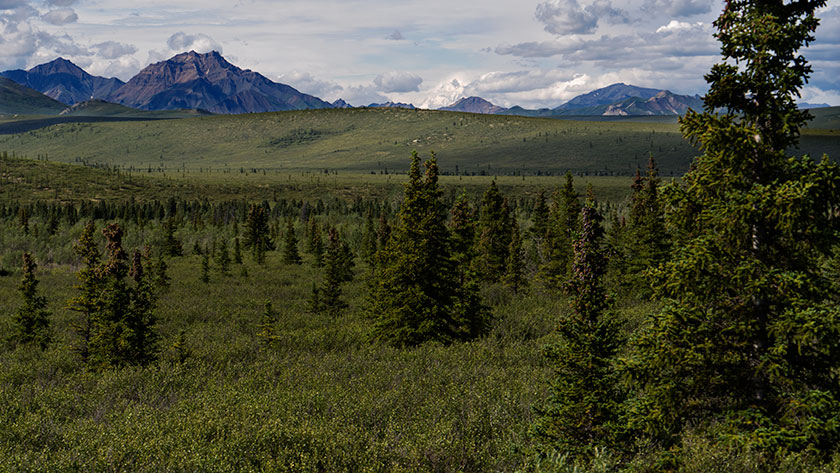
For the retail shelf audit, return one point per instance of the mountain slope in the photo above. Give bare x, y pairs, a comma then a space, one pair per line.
474, 105
607, 96
209, 82
64, 81
20, 100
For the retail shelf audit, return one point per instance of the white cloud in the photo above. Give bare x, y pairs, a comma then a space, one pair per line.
306, 83
675, 25
61, 3
562, 17
679, 8
200, 43
114, 50
398, 82
60, 17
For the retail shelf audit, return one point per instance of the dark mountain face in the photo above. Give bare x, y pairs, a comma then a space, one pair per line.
474, 105
64, 81
209, 82
16, 99
608, 95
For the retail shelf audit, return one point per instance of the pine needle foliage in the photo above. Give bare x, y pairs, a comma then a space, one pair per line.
32, 319
747, 344
415, 294
267, 326
583, 410
290, 245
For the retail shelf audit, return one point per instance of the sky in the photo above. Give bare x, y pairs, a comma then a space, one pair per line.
427, 52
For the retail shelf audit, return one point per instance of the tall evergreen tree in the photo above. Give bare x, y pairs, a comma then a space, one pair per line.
89, 300
316, 244
462, 226
329, 295
257, 233
747, 342
32, 319
562, 226
223, 258
369, 240
539, 227
237, 251
514, 276
205, 267
290, 245
584, 404
415, 294
493, 240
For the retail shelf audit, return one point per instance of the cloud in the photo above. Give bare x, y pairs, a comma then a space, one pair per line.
12, 4
395, 36
114, 50
61, 3
200, 43
563, 17
398, 82
306, 83
60, 17
678, 8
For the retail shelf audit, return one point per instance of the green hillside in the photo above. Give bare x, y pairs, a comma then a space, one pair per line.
375, 140
18, 100
101, 108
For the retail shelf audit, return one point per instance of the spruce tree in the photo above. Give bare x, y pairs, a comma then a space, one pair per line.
171, 244
205, 267
746, 346
257, 233
32, 319
562, 226
223, 258
493, 240
266, 333
462, 226
140, 318
415, 294
647, 241
161, 277
539, 227
584, 404
329, 298
89, 300
237, 251
316, 244
290, 245
514, 276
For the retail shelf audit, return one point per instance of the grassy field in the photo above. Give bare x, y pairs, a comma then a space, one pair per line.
375, 140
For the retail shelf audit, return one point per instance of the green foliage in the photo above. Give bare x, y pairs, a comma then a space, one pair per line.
583, 410
562, 226
494, 235
290, 245
328, 298
87, 302
256, 236
267, 324
415, 295
748, 339
514, 276
223, 258
316, 244
32, 319
205, 267
237, 251
171, 245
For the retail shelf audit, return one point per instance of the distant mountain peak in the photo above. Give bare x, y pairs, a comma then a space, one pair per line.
474, 105
64, 81
208, 81
390, 104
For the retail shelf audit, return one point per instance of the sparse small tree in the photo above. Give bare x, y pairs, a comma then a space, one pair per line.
223, 258
267, 333
205, 267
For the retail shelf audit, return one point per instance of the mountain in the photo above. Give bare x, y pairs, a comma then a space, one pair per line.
64, 81
474, 105
810, 106
608, 96
207, 81
340, 103
16, 99
392, 105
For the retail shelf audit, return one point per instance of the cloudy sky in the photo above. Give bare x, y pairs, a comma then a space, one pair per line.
429, 52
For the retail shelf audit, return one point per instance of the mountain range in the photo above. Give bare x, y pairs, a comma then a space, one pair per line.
208, 82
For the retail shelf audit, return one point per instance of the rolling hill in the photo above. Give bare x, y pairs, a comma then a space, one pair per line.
16, 99
375, 140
